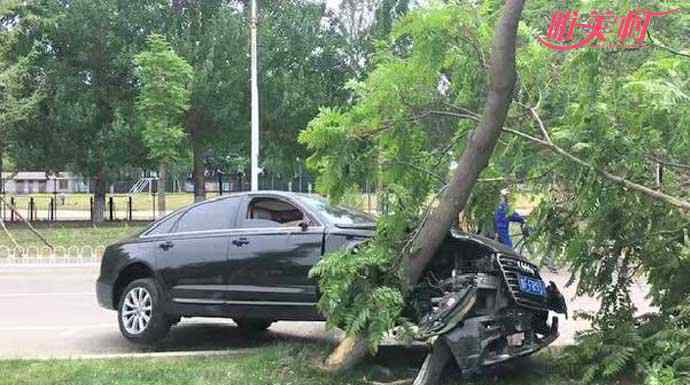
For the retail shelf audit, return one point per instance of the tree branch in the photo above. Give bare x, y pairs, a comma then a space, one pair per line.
418, 168
474, 117
669, 163
664, 47
654, 194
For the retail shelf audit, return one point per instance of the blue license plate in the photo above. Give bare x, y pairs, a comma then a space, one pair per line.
532, 286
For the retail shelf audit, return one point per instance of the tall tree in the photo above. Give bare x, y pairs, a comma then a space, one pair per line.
389, 130
162, 101
301, 68
20, 93
480, 146
590, 130
211, 35
361, 24
85, 60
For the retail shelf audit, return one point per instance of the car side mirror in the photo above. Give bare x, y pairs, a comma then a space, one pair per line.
304, 225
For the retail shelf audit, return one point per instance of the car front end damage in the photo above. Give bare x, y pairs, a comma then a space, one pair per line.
485, 303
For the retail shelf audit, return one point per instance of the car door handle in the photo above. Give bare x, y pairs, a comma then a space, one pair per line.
240, 242
166, 245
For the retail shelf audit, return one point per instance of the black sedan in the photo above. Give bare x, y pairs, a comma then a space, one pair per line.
247, 257
242, 256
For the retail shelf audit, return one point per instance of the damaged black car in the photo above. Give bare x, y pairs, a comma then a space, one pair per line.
247, 257
481, 303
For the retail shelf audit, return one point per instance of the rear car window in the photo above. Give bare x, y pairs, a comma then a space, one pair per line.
216, 215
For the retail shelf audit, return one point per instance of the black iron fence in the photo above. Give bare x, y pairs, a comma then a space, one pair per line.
143, 206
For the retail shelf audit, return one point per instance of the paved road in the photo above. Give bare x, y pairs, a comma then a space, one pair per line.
52, 312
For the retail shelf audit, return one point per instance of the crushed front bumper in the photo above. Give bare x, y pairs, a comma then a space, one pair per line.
482, 341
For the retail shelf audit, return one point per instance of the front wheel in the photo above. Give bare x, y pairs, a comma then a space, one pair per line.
140, 313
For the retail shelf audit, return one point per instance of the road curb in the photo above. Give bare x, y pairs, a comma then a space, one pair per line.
115, 356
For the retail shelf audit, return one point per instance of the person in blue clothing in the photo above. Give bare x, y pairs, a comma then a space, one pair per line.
503, 219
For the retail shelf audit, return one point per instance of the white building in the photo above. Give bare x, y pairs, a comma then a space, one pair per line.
29, 182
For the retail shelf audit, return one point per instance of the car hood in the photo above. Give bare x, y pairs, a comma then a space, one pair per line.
486, 242
369, 231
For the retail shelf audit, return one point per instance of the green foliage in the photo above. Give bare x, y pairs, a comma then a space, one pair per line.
163, 98
359, 292
654, 347
618, 109
302, 67
389, 136
78, 57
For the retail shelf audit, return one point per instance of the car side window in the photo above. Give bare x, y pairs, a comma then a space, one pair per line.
216, 215
271, 212
165, 226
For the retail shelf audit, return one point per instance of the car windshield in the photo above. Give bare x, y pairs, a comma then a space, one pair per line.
338, 215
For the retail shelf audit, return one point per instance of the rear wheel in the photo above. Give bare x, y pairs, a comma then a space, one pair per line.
140, 313
253, 325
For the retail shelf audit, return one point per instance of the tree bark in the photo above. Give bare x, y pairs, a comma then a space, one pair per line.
99, 196
348, 353
162, 183
2, 169
434, 229
192, 121
198, 178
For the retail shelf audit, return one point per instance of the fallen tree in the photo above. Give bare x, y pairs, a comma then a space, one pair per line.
413, 252
481, 143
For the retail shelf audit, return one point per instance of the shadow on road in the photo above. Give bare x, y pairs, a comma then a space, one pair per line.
226, 336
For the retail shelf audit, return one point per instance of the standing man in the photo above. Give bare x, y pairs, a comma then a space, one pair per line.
503, 219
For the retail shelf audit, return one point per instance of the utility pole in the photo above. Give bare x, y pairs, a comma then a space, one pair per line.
255, 103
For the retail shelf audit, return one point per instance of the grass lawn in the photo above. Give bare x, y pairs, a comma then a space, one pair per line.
277, 364
70, 234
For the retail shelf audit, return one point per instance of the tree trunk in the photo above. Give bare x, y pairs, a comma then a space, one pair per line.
2, 169
99, 196
162, 183
192, 122
479, 148
198, 177
348, 353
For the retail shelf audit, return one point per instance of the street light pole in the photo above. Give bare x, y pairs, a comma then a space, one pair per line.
255, 103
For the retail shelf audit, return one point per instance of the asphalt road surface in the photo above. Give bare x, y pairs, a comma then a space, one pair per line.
52, 312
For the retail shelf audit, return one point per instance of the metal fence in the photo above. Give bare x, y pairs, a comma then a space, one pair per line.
56, 207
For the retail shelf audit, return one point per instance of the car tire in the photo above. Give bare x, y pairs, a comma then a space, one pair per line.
253, 325
140, 313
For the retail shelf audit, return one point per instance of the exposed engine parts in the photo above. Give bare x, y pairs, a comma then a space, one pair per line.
484, 303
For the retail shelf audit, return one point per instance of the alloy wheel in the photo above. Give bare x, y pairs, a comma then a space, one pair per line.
136, 310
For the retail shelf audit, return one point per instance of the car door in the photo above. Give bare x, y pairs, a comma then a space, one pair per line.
193, 258
270, 255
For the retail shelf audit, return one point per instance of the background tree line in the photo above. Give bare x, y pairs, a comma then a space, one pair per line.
69, 82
